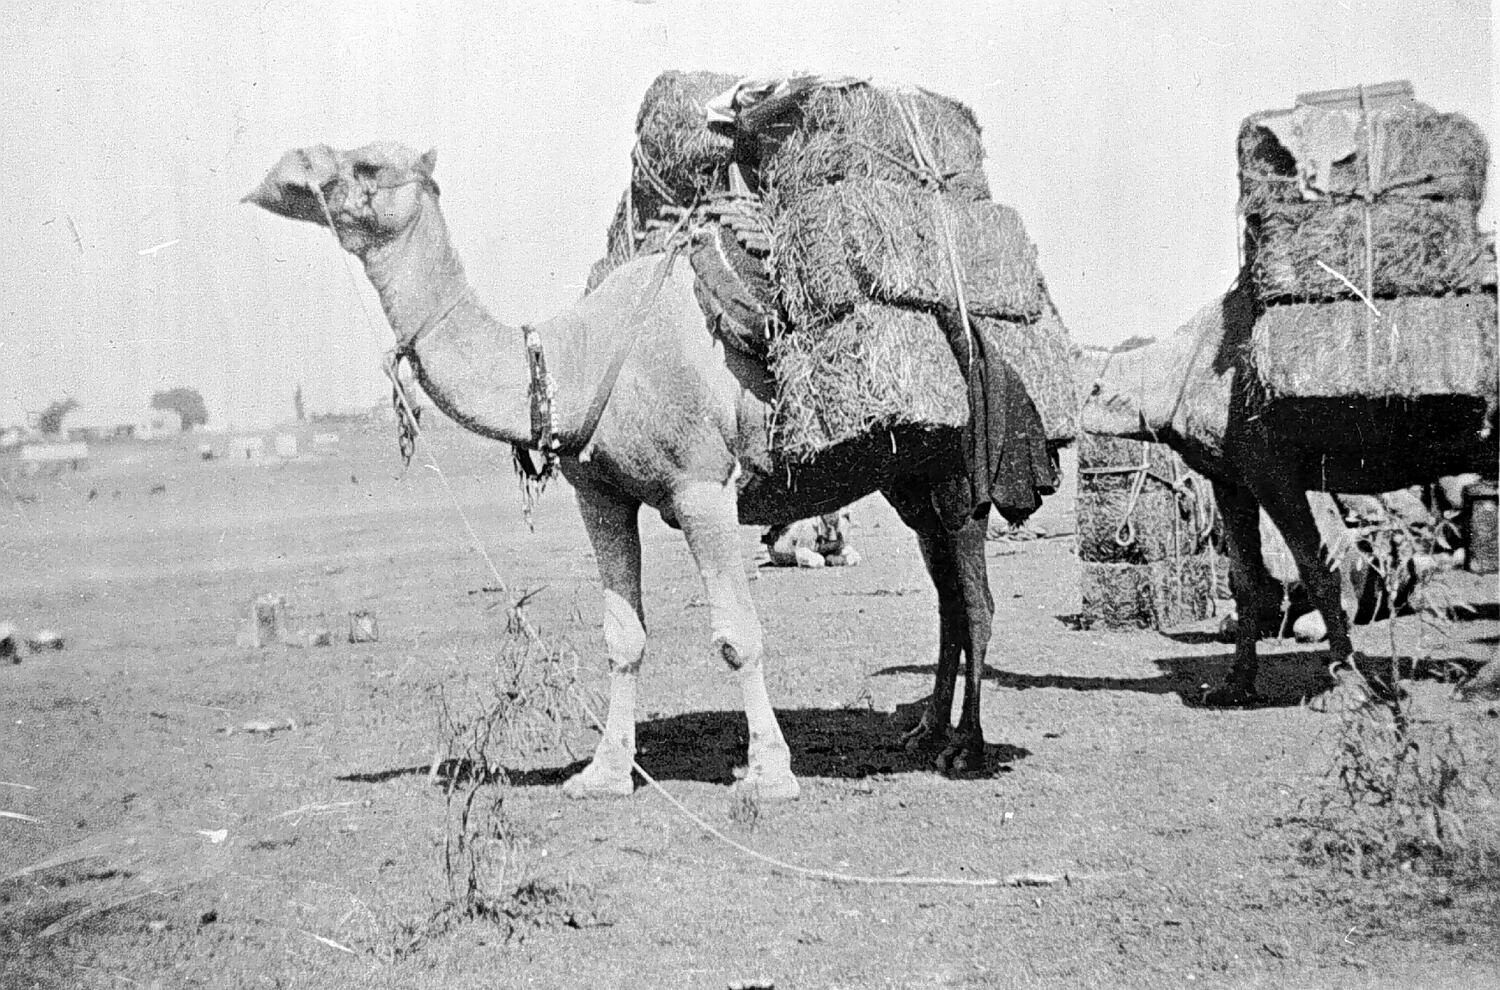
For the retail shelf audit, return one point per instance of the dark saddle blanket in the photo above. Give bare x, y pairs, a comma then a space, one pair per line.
735, 290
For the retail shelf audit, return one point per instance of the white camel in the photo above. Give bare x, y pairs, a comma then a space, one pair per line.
649, 410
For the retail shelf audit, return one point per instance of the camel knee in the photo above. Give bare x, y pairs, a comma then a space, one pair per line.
624, 636
738, 649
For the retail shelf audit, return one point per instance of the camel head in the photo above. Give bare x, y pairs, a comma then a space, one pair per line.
368, 195
1127, 396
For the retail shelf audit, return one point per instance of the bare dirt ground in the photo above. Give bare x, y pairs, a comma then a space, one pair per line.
1179, 828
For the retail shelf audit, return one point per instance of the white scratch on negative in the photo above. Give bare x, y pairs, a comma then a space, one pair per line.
159, 247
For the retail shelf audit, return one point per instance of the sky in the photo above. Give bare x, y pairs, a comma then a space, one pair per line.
133, 128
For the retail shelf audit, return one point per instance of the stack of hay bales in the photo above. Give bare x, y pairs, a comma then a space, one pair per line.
1144, 527
871, 218
1363, 249
879, 211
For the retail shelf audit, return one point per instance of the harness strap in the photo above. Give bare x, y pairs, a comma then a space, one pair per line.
606, 388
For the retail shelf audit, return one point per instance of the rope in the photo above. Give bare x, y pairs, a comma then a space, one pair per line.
1366, 202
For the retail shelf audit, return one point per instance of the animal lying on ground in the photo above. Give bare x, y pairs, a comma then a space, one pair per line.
649, 409
1193, 392
819, 542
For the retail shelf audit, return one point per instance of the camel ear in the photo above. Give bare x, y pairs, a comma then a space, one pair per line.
428, 162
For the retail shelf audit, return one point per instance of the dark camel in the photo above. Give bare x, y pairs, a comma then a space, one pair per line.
1192, 392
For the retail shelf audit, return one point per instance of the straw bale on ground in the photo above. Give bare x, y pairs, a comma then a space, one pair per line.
1418, 247
1159, 595
1170, 518
1419, 346
874, 240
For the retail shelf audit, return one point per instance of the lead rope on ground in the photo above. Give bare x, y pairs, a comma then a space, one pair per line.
517, 615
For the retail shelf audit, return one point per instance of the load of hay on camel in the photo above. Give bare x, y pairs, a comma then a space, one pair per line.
1368, 278
843, 233
1363, 250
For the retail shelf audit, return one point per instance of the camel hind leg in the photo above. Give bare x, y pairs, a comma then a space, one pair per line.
1254, 590
955, 562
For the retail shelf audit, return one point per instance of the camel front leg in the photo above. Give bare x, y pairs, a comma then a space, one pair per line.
709, 516
614, 532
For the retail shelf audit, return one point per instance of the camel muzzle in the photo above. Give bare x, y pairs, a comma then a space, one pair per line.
291, 189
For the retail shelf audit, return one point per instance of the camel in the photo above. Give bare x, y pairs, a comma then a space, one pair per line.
679, 424
1192, 392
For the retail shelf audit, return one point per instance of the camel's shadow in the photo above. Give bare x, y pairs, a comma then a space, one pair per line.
707, 747
1285, 680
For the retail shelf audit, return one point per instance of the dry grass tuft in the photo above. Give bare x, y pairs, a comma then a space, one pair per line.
1408, 794
492, 860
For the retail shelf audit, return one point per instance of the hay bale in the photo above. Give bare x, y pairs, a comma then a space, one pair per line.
1158, 595
1172, 514
1286, 156
836, 133
677, 157
1417, 247
1042, 354
1419, 346
856, 240
881, 365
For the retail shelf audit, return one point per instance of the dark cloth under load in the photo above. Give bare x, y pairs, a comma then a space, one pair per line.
1009, 462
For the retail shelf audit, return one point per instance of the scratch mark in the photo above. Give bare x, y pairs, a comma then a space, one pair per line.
159, 247
77, 237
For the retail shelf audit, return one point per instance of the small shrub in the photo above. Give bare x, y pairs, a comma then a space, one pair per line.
1408, 794
529, 707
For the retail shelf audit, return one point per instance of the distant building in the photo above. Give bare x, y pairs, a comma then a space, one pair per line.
160, 423
97, 422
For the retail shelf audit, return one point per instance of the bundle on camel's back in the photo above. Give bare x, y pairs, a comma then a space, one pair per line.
649, 408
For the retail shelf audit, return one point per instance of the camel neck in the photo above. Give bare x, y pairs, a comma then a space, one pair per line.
471, 365
1158, 377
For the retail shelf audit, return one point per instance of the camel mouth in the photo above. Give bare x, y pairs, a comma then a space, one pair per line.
294, 200
294, 187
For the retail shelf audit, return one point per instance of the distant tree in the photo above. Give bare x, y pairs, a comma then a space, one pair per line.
297, 403
49, 420
187, 403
